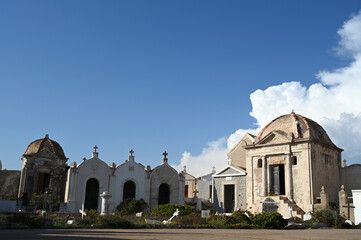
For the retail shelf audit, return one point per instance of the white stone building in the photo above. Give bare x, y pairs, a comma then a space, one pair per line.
86, 182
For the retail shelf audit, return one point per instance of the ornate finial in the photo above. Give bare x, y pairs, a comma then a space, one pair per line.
184, 168
322, 189
46, 135
213, 169
343, 188
229, 161
84, 158
293, 111
131, 152
95, 148
165, 159
344, 163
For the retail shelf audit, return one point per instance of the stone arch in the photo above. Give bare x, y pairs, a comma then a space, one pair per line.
91, 194
270, 205
129, 189
259, 163
163, 194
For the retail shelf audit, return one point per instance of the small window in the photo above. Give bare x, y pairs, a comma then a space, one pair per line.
259, 163
327, 158
294, 160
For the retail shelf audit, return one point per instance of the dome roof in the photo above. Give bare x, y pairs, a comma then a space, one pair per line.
45, 145
296, 127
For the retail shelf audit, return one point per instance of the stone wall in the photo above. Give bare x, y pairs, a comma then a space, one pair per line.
326, 162
9, 184
348, 176
240, 190
166, 174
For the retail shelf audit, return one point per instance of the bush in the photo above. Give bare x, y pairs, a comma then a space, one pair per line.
90, 219
132, 206
329, 217
269, 220
167, 210
189, 220
35, 221
240, 216
217, 220
60, 223
114, 221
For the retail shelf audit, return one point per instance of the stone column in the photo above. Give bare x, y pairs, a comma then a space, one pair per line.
22, 184
105, 203
264, 176
289, 182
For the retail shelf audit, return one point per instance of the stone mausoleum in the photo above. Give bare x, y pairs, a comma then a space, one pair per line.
289, 165
91, 184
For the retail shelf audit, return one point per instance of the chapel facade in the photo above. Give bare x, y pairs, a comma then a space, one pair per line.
92, 178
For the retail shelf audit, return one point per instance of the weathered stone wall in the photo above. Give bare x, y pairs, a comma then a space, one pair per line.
258, 181
350, 177
326, 162
239, 183
166, 174
301, 176
77, 180
132, 171
9, 184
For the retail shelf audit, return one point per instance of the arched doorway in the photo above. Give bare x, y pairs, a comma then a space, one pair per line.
91, 194
128, 190
163, 196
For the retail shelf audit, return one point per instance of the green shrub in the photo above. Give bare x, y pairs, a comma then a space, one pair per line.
189, 220
60, 223
242, 226
91, 218
329, 217
269, 220
240, 216
132, 206
114, 221
217, 220
35, 221
167, 210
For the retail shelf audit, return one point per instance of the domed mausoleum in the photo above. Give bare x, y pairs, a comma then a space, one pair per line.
44, 169
288, 164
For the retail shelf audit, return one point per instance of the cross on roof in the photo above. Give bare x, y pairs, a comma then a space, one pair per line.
95, 148
131, 152
165, 154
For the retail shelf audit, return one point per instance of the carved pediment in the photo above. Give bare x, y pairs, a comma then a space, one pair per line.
274, 137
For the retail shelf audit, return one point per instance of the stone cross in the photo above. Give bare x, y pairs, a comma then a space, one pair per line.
165, 159
131, 152
95, 148
184, 168
195, 192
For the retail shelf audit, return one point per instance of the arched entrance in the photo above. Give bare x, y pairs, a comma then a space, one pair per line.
128, 190
91, 194
163, 196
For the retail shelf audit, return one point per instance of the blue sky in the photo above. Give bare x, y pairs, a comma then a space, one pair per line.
152, 75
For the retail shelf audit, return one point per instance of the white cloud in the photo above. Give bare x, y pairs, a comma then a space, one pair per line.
334, 102
215, 154
350, 36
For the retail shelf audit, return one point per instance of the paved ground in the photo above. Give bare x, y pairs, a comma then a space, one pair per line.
189, 234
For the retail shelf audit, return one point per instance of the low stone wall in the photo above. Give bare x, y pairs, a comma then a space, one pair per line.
9, 184
7, 205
